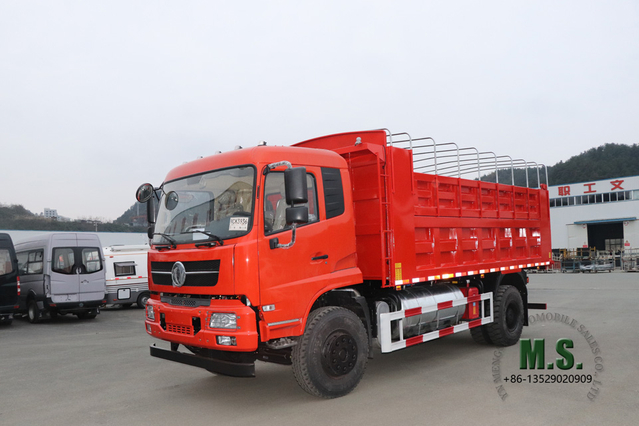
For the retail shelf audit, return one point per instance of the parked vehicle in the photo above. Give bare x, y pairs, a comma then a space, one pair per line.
9, 280
61, 273
127, 280
597, 267
305, 255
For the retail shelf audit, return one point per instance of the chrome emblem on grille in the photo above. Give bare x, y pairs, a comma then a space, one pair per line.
178, 274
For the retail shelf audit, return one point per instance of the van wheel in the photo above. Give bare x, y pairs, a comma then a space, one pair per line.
508, 313
142, 299
33, 311
5, 320
330, 358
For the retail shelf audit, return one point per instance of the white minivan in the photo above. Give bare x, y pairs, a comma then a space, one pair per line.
127, 280
61, 273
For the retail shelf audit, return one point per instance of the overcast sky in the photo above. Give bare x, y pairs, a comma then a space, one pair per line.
97, 97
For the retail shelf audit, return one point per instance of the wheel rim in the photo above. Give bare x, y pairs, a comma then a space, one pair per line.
339, 354
512, 316
32, 314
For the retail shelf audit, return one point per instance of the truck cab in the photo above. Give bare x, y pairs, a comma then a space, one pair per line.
228, 272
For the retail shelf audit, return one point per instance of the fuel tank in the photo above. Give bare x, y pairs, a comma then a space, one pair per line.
417, 297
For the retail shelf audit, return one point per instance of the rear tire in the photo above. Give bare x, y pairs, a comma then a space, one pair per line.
6, 319
330, 358
33, 311
508, 314
480, 335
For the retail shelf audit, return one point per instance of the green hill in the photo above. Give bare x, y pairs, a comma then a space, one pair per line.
607, 161
18, 218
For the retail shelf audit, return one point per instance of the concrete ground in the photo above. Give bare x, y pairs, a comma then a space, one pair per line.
99, 372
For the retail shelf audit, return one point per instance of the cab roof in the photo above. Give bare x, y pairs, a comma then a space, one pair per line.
259, 156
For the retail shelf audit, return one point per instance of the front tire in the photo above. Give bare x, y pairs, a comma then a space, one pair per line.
330, 358
508, 313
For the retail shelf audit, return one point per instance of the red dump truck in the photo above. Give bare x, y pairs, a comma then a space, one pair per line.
309, 255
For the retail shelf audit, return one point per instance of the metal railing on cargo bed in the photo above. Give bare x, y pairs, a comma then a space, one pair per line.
448, 159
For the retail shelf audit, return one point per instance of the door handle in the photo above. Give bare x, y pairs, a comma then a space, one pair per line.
320, 257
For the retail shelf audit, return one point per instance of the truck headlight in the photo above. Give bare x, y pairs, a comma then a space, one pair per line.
150, 314
222, 320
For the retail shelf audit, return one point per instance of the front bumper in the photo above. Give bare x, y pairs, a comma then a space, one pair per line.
189, 326
214, 365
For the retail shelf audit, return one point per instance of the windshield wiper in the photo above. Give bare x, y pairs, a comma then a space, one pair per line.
217, 239
169, 239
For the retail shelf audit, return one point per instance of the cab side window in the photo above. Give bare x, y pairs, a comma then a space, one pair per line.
30, 262
275, 202
333, 192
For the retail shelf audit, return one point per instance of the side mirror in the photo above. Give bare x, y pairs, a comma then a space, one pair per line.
296, 215
296, 188
144, 194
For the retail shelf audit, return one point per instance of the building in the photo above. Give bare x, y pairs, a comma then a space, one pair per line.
50, 213
599, 215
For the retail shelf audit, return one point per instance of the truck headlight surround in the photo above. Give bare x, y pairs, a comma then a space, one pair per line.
150, 313
223, 320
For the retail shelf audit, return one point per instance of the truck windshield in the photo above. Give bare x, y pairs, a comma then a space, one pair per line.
207, 207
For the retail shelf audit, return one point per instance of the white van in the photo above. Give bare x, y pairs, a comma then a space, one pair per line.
61, 273
127, 280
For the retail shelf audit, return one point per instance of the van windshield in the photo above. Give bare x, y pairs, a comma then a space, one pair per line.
205, 207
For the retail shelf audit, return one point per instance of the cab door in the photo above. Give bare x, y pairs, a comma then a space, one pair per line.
289, 277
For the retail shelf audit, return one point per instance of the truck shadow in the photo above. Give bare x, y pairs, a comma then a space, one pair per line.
275, 384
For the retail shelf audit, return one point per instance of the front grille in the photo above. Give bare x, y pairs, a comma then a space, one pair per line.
187, 302
203, 273
179, 329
